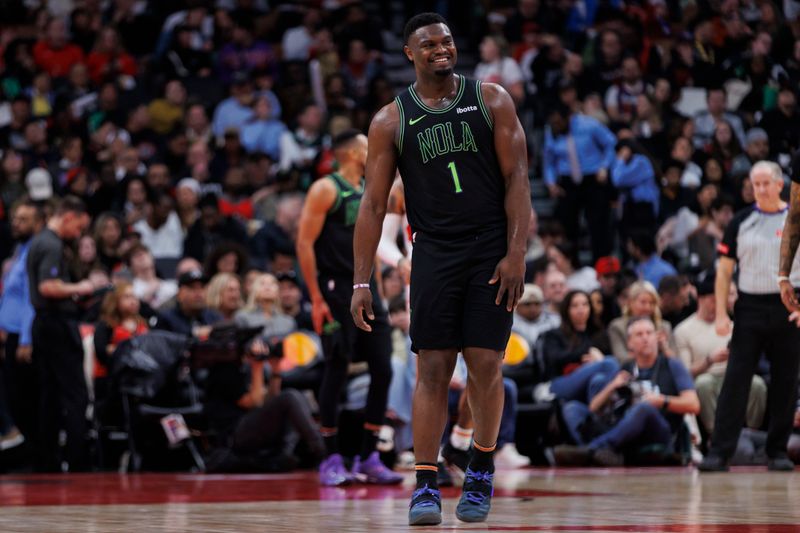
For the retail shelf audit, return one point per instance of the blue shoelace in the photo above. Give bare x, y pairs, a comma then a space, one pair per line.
472, 479
425, 497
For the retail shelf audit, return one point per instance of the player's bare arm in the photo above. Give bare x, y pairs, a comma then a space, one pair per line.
512, 155
321, 197
380, 172
789, 243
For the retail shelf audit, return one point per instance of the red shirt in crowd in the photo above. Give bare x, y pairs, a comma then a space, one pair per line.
56, 62
98, 61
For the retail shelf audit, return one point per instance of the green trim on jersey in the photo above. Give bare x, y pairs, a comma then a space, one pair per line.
482, 105
338, 201
343, 188
419, 102
402, 124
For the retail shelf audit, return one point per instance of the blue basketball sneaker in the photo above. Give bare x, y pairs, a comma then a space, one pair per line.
476, 500
425, 508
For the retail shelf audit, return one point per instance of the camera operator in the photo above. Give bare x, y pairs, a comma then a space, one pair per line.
257, 423
662, 392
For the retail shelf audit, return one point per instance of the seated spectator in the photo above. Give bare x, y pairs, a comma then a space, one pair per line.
55, 54
576, 365
238, 199
198, 126
703, 241
531, 320
643, 301
782, 124
621, 98
108, 61
705, 122
554, 289
291, 298
705, 354
187, 198
224, 295
608, 269
756, 148
675, 293
565, 258
654, 417
245, 53
647, 263
167, 112
161, 229
183, 60
211, 229
235, 111
262, 133
683, 152
257, 424
147, 286
497, 67
723, 148
359, 69
263, 308
119, 321
191, 316
108, 238
301, 147
228, 257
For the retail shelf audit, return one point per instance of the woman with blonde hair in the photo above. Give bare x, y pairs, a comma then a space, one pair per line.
224, 295
263, 308
643, 300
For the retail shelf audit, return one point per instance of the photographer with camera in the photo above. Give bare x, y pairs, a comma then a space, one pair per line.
257, 424
653, 391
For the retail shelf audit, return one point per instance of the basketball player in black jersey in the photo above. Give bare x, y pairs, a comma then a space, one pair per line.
462, 157
325, 253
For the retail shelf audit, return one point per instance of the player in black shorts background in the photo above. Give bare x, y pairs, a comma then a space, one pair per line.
325, 253
461, 153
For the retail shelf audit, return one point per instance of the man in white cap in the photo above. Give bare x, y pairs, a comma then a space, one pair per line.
530, 320
39, 184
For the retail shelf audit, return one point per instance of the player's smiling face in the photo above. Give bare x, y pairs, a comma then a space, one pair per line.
432, 50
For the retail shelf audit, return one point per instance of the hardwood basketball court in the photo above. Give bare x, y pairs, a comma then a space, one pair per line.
673, 500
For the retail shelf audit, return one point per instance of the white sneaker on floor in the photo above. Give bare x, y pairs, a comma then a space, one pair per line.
542, 393
509, 457
11, 439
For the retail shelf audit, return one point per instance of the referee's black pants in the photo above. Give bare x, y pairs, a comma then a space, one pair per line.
58, 356
594, 199
761, 326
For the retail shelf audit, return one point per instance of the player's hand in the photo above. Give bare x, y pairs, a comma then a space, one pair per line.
510, 272
24, 354
320, 314
84, 288
362, 303
788, 297
723, 325
555, 191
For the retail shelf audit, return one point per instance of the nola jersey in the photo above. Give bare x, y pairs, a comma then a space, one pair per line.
447, 160
334, 246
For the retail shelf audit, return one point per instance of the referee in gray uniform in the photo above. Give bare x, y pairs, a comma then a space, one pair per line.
761, 323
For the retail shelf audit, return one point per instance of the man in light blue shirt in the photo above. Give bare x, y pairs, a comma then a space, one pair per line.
16, 318
648, 264
578, 153
235, 111
262, 133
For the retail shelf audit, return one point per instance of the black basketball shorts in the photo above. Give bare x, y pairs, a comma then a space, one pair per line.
452, 303
341, 338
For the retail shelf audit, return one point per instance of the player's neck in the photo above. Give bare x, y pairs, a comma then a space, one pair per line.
435, 87
352, 174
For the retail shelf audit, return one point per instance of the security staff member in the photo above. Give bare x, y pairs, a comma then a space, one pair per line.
57, 348
761, 323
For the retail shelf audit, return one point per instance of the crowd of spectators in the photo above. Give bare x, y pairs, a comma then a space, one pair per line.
192, 129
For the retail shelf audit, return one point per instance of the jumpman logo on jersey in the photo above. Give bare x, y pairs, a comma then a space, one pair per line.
413, 121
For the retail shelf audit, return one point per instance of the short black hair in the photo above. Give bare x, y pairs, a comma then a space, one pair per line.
418, 21
71, 204
670, 285
644, 241
343, 138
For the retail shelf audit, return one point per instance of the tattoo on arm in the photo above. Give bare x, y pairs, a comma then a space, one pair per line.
791, 232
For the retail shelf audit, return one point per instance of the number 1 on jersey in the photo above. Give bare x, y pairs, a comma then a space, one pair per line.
454, 172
